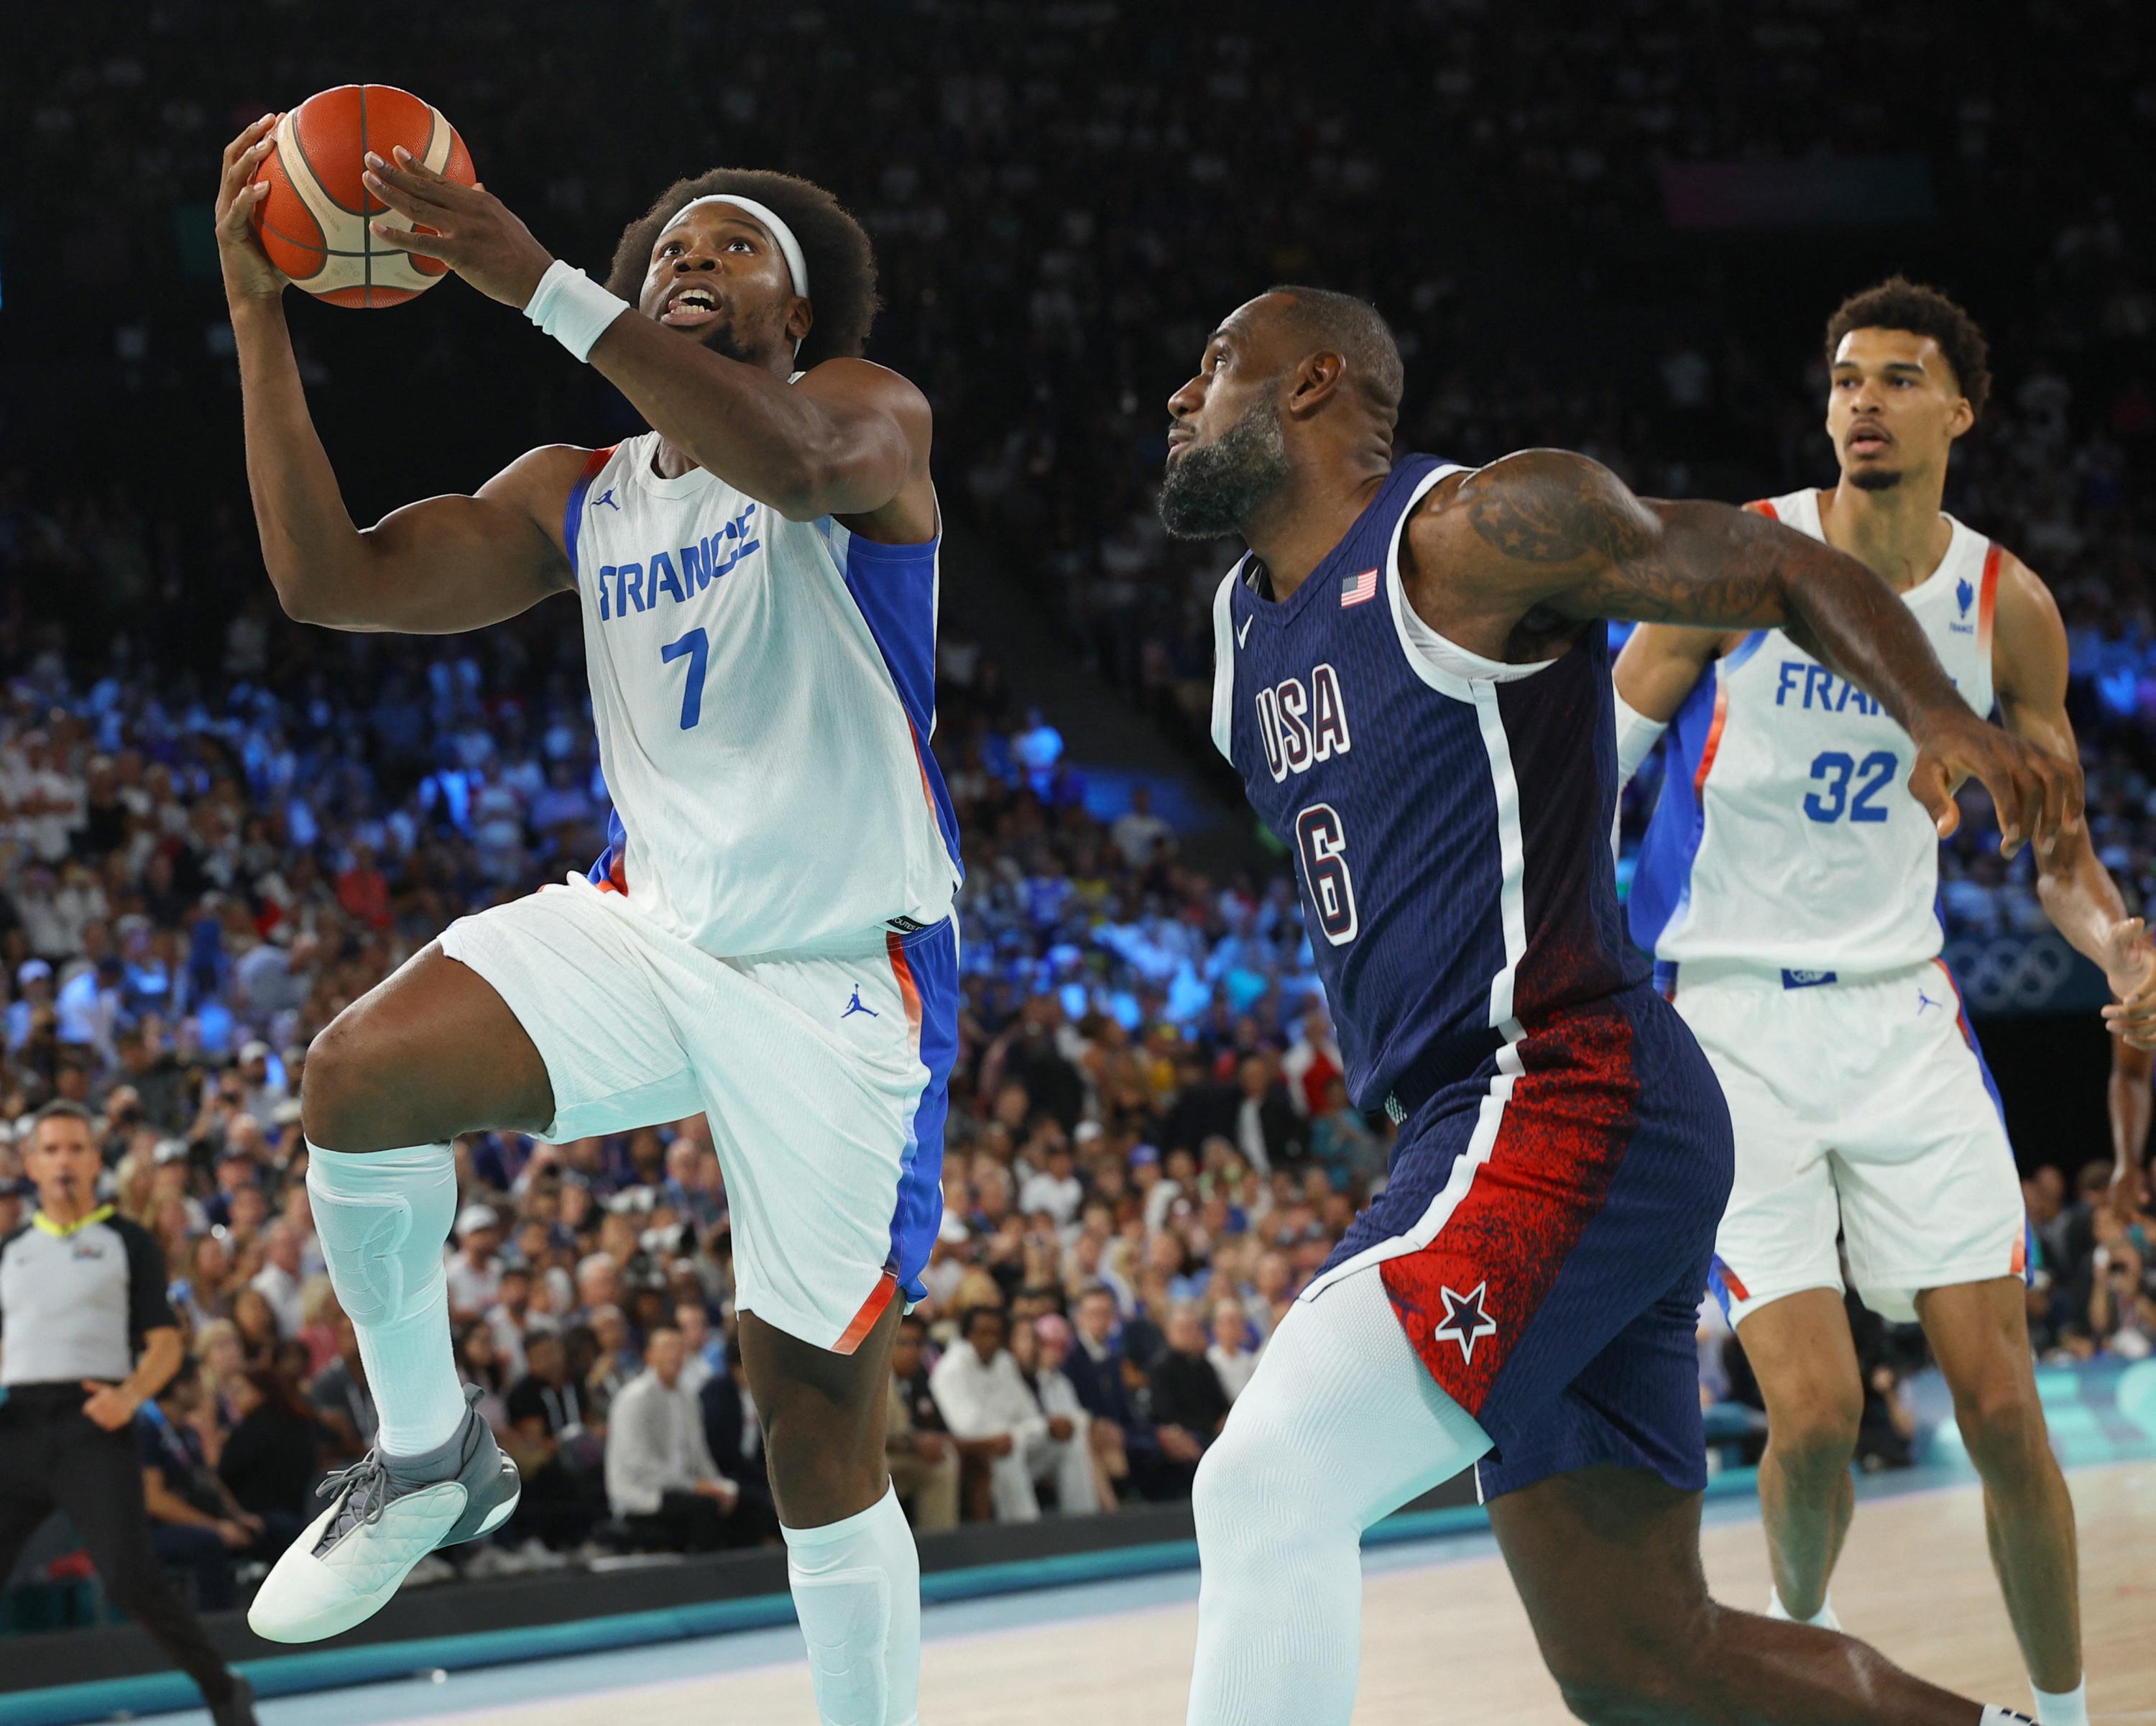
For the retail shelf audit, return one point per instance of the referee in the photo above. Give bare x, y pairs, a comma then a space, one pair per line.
80, 1291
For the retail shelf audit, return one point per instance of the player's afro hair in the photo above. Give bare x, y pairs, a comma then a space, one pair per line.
842, 270
1899, 303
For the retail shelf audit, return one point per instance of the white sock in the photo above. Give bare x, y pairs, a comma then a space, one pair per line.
383, 1218
1823, 1619
1996, 1716
1340, 1424
2067, 1707
857, 1592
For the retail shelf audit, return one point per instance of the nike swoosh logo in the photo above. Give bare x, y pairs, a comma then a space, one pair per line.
1243, 634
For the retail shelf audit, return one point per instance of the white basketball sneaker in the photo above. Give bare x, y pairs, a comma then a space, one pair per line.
386, 1513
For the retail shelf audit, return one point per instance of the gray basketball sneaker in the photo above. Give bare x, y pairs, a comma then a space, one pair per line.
386, 1513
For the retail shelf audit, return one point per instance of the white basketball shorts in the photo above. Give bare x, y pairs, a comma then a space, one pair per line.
1864, 1106
823, 1076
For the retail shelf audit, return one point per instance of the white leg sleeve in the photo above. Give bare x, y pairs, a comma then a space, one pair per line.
857, 1592
383, 1218
1340, 1425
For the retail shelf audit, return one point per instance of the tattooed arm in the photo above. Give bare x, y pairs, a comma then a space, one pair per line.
1546, 539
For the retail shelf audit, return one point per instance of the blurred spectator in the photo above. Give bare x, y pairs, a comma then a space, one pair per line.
1188, 1404
1139, 834
270, 1459
279, 1281
988, 1407
196, 1524
922, 1461
661, 1478
1233, 1352
733, 1429
340, 1396
560, 1456
475, 1272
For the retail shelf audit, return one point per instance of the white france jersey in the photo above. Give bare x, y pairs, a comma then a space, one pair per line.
764, 693
1784, 836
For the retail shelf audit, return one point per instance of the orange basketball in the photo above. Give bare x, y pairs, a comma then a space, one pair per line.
313, 224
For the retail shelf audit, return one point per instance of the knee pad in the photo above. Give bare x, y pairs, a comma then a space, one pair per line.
383, 1225
845, 1616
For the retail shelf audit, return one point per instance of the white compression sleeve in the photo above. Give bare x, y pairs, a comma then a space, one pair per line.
1341, 1425
383, 1218
1636, 737
857, 1592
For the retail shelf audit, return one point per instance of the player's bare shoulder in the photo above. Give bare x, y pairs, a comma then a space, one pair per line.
1547, 508
1489, 556
2029, 650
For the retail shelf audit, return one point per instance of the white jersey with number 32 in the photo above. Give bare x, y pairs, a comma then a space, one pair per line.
764, 692
1784, 836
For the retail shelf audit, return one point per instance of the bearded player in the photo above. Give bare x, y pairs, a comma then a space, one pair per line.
756, 580
1788, 895
1413, 681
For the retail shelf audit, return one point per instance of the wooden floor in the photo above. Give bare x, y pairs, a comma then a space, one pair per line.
1914, 1581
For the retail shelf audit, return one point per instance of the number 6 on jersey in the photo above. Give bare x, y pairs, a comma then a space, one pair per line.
1324, 847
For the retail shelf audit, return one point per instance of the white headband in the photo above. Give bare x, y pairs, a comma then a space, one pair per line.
797, 266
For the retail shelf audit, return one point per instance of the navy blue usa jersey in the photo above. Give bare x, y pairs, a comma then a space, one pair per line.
1449, 816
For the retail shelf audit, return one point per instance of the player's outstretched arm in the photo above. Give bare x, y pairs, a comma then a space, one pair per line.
2029, 670
445, 565
850, 440
1550, 531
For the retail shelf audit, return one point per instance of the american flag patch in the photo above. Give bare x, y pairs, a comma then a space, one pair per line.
1358, 588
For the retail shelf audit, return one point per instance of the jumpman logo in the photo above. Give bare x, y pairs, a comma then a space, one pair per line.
854, 1006
606, 497
1924, 1000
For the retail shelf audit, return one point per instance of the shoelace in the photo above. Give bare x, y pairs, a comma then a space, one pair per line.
368, 1495
368, 1479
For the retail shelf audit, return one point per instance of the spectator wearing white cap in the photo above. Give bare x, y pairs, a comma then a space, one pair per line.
475, 1272
263, 1074
34, 993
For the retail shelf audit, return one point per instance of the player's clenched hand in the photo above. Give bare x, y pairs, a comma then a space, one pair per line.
2038, 794
108, 1405
472, 231
248, 274
2129, 966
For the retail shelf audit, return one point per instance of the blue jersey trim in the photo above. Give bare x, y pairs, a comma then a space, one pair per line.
1661, 880
1743, 650
610, 863
894, 588
932, 956
573, 513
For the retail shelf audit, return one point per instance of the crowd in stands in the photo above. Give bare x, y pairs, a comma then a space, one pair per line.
217, 829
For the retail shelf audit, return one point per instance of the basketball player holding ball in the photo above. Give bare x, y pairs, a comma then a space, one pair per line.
766, 939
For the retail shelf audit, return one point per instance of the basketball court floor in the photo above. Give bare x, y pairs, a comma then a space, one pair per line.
1915, 1580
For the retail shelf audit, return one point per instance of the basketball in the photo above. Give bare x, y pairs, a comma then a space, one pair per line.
314, 223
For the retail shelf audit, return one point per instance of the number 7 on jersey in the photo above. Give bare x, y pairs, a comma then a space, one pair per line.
695, 646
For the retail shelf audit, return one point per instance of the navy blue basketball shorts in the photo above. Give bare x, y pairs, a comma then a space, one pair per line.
1546, 1236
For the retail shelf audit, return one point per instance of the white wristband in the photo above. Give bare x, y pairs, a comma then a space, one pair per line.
1636, 737
573, 308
